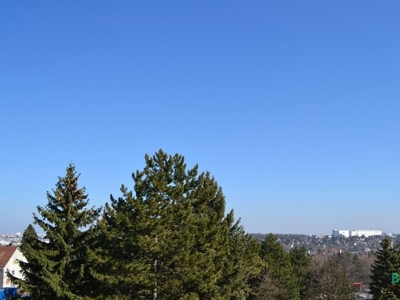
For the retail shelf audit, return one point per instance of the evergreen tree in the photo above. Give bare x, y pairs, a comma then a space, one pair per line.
29, 235
29, 240
170, 238
58, 268
387, 262
278, 280
29, 243
242, 264
302, 268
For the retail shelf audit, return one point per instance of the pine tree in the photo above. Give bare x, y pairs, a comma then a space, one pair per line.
278, 280
387, 262
302, 265
169, 238
242, 264
58, 268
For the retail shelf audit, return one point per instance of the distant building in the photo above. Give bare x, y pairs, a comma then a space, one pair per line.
340, 233
366, 233
348, 233
8, 261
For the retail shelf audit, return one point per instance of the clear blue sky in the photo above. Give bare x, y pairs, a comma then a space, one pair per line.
293, 106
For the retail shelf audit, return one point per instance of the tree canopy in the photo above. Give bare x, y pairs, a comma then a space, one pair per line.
170, 238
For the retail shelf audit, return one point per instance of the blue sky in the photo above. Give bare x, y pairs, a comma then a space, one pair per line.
293, 106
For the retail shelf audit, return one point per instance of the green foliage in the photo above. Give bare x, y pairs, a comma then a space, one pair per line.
169, 238
242, 264
278, 279
302, 268
387, 261
58, 268
31, 247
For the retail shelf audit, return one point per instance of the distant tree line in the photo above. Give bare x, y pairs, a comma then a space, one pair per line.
168, 237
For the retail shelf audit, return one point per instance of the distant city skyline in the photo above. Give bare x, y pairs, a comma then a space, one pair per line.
40, 233
293, 106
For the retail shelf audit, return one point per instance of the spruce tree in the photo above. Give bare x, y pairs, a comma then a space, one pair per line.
58, 268
387, 262
29, 235
29, 239
169, 238
31, 268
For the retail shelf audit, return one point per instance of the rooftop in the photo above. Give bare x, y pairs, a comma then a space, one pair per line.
5, 254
